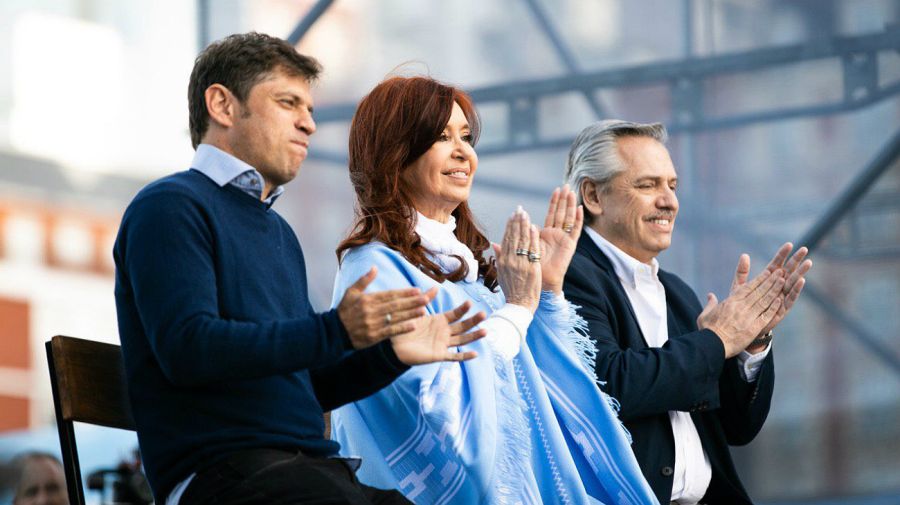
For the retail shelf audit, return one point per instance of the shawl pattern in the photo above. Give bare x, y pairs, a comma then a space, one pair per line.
531, 430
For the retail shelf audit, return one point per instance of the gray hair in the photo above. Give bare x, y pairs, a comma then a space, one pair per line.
12, 473
594, 155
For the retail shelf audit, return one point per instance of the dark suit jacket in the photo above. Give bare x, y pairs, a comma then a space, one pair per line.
688, 373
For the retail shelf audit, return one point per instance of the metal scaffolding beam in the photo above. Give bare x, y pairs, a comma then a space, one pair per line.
857, 56
563, 52
203, 30
854, 327
308, 21
853, 193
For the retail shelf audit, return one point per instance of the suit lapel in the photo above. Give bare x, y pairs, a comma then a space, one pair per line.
587, 246
677, 305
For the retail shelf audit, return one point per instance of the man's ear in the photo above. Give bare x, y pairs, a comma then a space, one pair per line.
591, 197
221, 104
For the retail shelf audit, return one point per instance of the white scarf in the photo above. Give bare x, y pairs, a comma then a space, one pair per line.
438, 239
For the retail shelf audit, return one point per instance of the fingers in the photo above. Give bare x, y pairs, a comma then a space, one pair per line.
498, 250
571, 208
467, 324
796, 268
793, 294
768, 314
742, 272
382, 305
430, 294
781, 255
363, 282
523, 230
534, 242
404, 309
460, 356
749, 288
796, 259
405, 315
550, 220
508, 241
394, 329
796, 275
579, 221
768, 292
453, 315
393, 295
466, 338
711, 302
563, 208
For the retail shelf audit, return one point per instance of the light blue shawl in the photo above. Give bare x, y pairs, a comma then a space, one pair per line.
534, 429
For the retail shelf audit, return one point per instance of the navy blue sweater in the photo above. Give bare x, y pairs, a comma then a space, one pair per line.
222, 349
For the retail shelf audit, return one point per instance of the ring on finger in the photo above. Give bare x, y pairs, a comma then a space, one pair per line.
522, 252
534, 257
568, 227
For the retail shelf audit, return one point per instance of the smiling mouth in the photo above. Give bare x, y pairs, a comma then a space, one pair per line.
458, 174
661, 224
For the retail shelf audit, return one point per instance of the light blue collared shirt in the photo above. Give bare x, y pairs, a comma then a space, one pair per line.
224, 168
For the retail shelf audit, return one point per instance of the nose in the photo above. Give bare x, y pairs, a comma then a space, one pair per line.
305, 122
667, 200
463, 151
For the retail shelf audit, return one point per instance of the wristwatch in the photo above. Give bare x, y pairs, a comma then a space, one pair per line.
763, 340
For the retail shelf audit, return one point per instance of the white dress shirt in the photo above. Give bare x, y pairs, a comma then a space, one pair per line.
692, 472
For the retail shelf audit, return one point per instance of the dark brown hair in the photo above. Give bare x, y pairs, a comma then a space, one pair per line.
395, 124
239, 62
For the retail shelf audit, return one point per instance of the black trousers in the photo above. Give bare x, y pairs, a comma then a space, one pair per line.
273, 476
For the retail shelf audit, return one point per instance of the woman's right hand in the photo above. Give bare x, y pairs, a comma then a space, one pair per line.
520, 277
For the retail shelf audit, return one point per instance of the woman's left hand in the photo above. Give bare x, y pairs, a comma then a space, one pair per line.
562, 227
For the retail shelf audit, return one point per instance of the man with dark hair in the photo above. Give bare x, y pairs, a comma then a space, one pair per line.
690, 380
229, 368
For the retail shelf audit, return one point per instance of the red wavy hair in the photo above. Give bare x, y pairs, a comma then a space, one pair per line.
395, 124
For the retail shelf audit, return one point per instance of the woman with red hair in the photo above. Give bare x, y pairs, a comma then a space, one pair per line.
524, 422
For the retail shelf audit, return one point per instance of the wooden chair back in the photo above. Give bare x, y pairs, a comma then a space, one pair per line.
89, 386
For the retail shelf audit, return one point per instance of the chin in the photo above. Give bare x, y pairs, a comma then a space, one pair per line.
458, 199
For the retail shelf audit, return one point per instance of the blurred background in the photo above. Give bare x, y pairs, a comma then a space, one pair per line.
785, 126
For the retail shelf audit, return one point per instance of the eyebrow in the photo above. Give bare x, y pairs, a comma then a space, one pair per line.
654, 178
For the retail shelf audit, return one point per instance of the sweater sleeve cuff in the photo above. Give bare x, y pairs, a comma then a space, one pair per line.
335, 329
391, 361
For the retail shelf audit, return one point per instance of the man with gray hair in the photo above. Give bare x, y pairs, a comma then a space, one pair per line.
691, 380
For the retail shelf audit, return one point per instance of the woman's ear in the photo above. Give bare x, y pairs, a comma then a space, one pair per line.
221, 104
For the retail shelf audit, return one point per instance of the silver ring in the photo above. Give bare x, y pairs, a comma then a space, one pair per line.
522, 252
534, 257
387, 318
568, 228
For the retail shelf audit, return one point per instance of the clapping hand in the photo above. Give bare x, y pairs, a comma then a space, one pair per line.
795, 270
562, 227
432, 335
746, 311
372, 317
519, 262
